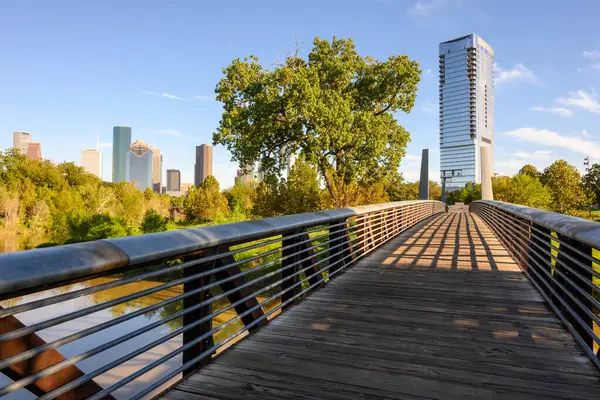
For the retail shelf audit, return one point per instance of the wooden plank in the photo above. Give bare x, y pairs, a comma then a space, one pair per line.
440, 311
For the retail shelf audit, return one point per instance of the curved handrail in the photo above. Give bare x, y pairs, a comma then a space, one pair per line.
580, 229
39, 267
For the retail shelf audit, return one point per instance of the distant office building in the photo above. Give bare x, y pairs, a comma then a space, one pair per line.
91, 160
466, 108
121, 147
34, 151
203, 166
185, 187
140, 165
173, 180
244, 178
156, 169
20, 141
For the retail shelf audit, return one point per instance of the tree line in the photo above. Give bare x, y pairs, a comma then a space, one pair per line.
559, 188
66, 204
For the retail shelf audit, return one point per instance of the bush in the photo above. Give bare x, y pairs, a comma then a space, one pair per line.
95, 227
153, 222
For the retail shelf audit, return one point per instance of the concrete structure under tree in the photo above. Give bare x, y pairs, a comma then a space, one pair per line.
466, 109
204, 163
121, 144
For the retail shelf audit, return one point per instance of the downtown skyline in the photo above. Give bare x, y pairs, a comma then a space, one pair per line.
545, 109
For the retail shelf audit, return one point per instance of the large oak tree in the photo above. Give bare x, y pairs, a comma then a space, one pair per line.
336, 108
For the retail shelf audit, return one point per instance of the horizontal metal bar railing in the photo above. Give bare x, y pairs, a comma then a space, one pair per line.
259, 267
558, 253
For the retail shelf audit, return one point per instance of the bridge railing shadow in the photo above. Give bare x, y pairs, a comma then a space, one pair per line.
560, 255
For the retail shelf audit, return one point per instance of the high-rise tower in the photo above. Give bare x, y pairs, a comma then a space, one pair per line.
91, 160
203, 166
466, 109
140, 165
121, 144
20, 141
157, 161
173, 180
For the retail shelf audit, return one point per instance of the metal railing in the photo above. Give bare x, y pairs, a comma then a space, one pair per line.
559, 254
77, 320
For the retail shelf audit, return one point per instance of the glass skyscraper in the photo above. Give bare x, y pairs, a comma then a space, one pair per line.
140, 165
121, 143
466, 109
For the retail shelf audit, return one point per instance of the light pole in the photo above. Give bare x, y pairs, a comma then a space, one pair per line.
586, 164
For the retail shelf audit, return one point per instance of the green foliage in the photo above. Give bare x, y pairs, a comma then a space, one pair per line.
467, 195
95, 227
564, 184
435, 191
240, 198
398, 190
39, 198
529, 170
153, 222
523, 189
267, 202
301, 192
529, 191
206, 201
335, 108
591, 182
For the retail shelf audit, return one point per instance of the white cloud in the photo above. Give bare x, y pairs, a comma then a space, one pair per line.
549, 138
423, 8
204, 97
539, 158
106, 145
553, 110
585, 133
539, 155
518, 73
582, 99
428, 71
171, 96
591, 55
171, 132
412, 157
150, 93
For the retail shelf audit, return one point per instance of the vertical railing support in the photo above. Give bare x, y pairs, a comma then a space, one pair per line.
290, 256
540, 250
569, 248
198, 314
336, 246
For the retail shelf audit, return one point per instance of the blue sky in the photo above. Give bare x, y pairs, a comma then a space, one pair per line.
73, 68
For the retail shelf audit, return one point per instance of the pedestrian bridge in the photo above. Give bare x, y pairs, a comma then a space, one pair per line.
399, 300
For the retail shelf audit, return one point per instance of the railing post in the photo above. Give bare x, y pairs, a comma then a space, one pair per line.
198, 314
290, 256
578, 280
336, 249
540, 244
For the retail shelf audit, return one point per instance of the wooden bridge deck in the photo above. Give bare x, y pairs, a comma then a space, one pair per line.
441, 311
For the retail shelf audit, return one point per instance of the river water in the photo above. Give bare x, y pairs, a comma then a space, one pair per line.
77, 347
9, 244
